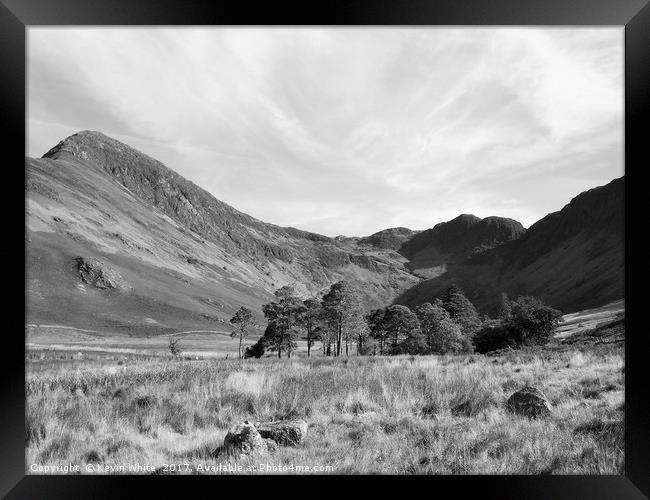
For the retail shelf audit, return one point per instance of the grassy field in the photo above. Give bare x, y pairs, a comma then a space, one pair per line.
404, 415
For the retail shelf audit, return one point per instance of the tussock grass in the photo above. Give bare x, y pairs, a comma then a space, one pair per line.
410, 415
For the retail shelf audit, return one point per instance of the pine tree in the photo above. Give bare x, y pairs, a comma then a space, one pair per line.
283, 319
243, 318
461, 310
375, 322
402, 327
309, 317
441, 334
344, 312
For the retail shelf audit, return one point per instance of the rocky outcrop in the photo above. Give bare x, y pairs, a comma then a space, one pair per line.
529, 402
98, 274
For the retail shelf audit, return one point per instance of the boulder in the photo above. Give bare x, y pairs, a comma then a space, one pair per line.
529, 402
284, 432
243, 439
271, 445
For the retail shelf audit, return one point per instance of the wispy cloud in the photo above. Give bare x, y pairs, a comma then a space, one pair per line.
347, 131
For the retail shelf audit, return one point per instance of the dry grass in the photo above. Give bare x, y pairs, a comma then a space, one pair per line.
433, 414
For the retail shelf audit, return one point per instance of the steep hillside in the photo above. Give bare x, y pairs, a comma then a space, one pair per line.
574, 258
185, 259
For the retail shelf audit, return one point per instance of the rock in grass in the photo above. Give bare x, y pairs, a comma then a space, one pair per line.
284, 432
244, 439
529, 402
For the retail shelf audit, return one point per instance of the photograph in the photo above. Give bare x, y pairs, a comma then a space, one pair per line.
344, 250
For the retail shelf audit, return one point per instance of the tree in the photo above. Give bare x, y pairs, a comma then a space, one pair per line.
175, 347
327, 333
283, 318
461, 310
413, 342
243, 319
375, 322
310, 313
440, 332
362, 336
401, 324
504, 307
344, 312
279, 340
533, 321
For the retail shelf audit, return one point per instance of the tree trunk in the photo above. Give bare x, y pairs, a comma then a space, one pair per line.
308, 339
280, 352
240, 337
339, 337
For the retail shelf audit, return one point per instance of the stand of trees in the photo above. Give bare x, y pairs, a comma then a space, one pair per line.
450, 324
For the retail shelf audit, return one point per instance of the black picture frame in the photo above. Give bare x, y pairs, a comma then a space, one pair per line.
17, 15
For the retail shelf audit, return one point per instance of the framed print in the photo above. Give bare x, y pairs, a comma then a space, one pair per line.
373, 239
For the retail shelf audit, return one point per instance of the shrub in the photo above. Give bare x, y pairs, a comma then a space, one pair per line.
256, 350
493, 337
175, 348
523, 321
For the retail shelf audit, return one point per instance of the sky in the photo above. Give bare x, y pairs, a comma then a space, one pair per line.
346, 131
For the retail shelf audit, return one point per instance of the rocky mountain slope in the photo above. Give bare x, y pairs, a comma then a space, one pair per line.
118, 242
187, 260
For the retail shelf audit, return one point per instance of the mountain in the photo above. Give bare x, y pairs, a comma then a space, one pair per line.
118, 242
573, 259
185, 259
388, 239
430, 251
